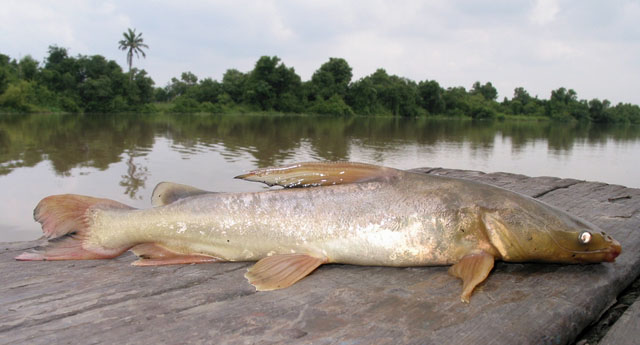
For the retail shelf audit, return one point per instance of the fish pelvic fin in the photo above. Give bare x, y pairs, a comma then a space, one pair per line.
313, 174
153, 254
281, 271
168, 192
65, 221
473, 269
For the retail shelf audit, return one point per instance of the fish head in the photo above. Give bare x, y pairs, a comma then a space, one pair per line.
548, 235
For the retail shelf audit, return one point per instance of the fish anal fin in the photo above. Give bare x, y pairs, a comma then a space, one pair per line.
168, 192
320, 174
152, 254
281, 271
473, 269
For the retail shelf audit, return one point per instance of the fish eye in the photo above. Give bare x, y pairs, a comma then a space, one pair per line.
584, 237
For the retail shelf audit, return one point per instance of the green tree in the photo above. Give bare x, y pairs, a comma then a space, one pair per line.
625, 112
60, 70
16, 96
132, 43
233, 84
28, 68
208, 90
521, 95
455, 100
599, 111
362, 96
6, 72
140, 91
487, 91
564, 105
332, 78
179, 87
272, 86
431, 96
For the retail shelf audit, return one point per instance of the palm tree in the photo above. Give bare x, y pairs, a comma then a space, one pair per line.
134, 44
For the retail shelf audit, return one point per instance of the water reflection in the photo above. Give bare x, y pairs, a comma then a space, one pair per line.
99, 140
136, 175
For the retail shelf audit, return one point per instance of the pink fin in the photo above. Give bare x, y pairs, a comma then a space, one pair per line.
66, 248
281, 271
64, 220
152, 254
63, 214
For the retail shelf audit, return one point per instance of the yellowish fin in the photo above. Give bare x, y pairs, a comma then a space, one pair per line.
313, 174
281, 271
473, 269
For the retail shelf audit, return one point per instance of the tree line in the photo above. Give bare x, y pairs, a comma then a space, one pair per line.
93, 84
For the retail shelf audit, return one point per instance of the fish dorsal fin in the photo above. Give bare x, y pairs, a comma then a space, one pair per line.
473, 269
168, 192
320, 174
281, 271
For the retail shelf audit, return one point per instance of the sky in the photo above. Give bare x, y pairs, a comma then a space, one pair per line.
590, 46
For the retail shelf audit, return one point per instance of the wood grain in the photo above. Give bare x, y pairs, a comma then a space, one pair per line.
110, 301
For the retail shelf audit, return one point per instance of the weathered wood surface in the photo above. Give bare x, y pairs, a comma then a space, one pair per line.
109, 301
626, 331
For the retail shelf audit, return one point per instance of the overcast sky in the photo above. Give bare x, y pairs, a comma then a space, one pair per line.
592, 47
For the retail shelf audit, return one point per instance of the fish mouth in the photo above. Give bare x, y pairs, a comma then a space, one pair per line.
614, 250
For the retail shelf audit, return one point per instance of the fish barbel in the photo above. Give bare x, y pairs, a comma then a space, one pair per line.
348, 213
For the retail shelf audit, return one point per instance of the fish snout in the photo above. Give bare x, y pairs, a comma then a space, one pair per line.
614, 250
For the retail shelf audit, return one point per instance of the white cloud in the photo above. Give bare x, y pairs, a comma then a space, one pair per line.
555, 49
544, 11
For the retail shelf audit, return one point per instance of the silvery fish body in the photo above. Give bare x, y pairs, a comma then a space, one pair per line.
339, 213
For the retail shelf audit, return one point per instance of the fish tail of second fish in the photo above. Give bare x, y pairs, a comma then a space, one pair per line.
66, 222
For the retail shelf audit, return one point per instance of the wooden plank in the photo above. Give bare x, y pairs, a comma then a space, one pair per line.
111, 301
626, 331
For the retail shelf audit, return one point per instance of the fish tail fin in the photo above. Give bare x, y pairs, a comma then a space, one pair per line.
65, 221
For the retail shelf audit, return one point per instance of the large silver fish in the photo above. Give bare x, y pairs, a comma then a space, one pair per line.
347, 213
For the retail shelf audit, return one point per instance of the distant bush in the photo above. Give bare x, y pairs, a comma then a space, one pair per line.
148, 108
212, 108
183, 104
16, 97
335, 105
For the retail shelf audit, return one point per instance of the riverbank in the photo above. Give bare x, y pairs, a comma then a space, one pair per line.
168, 108
112, 301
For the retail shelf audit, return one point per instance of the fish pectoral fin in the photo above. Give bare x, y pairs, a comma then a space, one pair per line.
314, 174
168, 192
152, 254
281, 271
473, 269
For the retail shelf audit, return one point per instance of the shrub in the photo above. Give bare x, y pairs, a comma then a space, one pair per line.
332, 106
184, 104
212, 108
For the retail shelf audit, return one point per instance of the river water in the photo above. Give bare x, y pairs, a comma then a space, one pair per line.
123, 157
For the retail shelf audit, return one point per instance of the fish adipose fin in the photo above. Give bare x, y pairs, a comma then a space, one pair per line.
64, 220
320, 174
473, 269
168, 192
152, 254
281, 271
